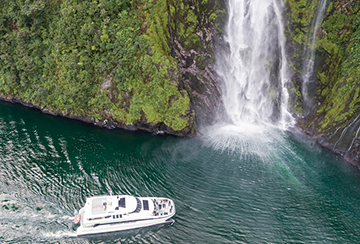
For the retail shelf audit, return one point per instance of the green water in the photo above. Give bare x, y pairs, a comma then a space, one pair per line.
231, 185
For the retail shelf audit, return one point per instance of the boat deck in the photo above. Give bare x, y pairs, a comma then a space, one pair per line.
97, 206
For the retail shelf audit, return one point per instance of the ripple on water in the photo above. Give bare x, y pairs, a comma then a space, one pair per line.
232, 185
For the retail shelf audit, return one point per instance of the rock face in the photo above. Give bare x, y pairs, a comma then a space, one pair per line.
332, 119
197, 31
354, 154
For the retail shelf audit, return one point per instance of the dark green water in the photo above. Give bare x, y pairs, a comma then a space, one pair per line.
232, 185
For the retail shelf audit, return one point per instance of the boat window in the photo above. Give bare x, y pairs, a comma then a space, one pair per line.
97, 218
146, 204
122, 202
138, 206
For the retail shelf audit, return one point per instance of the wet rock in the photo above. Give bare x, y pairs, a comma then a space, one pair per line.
196, 59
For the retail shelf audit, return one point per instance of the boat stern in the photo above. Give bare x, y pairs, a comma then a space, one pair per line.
163, 207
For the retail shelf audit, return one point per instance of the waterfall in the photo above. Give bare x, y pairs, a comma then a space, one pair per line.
309, 54
254, 70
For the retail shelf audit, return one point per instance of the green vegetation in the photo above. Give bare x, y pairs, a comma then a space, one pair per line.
108, 59
299, 14
338, 50
190, 21
113, 59
339, 79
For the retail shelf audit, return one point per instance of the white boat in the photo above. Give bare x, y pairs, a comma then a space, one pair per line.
103, 214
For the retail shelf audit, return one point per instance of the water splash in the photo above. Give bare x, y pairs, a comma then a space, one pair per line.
309, 61
255, 70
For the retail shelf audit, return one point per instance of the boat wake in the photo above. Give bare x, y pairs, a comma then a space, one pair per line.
59, 234
32, 217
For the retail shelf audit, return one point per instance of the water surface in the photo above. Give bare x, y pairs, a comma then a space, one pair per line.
232, 185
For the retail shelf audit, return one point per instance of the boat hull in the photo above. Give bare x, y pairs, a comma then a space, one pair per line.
115, 227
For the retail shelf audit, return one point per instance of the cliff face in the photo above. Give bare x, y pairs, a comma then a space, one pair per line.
333, 115
117, 63
149, 65
197, 31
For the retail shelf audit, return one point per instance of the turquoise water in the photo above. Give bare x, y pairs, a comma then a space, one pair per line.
231, 185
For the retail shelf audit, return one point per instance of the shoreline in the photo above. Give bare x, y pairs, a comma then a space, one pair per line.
159, 128
320, 139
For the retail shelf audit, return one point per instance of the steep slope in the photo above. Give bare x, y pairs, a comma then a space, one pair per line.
110, 62
333, 119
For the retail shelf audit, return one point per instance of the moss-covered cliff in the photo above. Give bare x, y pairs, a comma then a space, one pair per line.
197, 28
111, 62
334, 120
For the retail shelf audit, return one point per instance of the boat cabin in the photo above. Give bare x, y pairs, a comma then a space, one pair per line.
114, 207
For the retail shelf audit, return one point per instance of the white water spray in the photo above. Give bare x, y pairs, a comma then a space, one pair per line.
255, 70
